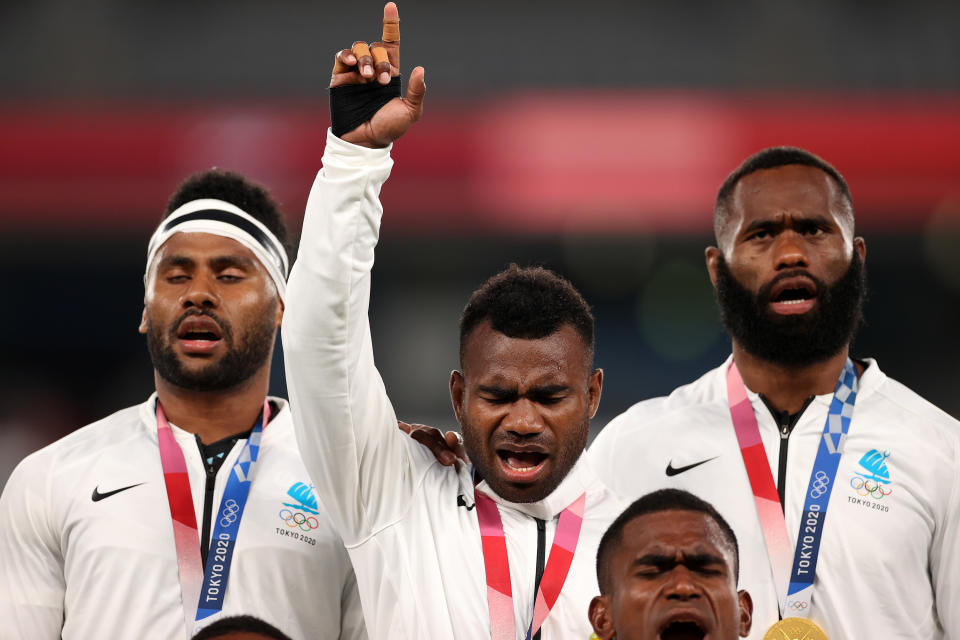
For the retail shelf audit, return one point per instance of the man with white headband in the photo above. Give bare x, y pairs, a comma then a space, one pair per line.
166, 516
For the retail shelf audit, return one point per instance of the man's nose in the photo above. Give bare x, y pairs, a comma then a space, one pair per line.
790, 251
201, 292
682, 585
523, 418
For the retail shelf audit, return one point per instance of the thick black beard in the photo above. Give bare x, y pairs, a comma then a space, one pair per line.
237, 366
795, 340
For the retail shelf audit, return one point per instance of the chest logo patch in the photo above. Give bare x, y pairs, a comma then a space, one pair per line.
871, 481
299, 514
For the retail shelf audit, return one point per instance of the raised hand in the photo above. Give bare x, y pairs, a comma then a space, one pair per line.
379, 63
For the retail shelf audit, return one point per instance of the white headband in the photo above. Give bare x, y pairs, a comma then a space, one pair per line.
224, 219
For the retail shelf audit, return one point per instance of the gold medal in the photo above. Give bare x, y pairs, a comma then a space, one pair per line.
795, 629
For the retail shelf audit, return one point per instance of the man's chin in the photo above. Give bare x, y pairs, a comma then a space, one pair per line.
524, 484
198, 373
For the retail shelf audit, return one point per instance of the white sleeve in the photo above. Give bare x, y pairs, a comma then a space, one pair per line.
32, 585
345, 425
945, 558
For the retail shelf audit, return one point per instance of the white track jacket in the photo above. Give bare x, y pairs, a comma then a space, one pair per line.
409, 523
107, 568
889, 562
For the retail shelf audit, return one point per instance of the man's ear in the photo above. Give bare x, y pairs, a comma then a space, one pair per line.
457, 389
601, 618
595, 386
279, 318
746, 612
712, 254
860, 246
143, 322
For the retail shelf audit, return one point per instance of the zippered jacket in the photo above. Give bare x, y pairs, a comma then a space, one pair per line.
409, 523
889, 563
87, 548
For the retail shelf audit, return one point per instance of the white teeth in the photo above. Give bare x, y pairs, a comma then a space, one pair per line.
792, 301
513, 464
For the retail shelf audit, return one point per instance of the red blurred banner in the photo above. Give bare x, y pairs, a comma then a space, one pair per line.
583, 161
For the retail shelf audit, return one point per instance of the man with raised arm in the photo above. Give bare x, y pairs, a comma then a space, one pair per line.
158, 519
501, 549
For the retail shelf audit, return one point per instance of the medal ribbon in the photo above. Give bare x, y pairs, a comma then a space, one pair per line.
794, 586
203, 591
497, 566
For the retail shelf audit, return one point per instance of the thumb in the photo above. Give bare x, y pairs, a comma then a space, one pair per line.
416, 89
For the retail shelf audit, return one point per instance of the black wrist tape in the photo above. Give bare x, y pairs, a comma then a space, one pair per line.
353, 104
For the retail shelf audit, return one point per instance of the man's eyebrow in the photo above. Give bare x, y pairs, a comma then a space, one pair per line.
168, 262
656, 559
498, 391
548, 390
761, 225
803, 222
691, 560
702, 559
226, 261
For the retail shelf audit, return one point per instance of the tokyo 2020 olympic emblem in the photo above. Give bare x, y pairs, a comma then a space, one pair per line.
298, 520
873, 478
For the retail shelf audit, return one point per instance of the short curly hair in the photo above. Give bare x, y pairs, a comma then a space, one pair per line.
772, 158
237, 190
527, 303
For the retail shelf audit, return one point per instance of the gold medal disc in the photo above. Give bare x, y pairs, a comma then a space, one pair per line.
795, 629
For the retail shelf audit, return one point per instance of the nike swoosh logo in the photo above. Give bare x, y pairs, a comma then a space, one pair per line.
97, 496
672, 471
463, 503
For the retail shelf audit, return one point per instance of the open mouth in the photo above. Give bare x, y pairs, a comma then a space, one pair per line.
682, 630
521, 465
793, 295
199, 334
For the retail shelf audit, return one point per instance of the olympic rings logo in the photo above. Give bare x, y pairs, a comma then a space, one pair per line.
297, 520
864, 488
820, 484
230, 513
797, 605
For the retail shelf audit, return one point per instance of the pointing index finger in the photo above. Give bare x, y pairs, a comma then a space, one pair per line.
391, 23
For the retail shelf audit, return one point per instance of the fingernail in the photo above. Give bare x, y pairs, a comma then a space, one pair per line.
384, 77
367, 70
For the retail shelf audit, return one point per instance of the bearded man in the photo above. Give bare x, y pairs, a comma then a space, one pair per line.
841, 484
160, 518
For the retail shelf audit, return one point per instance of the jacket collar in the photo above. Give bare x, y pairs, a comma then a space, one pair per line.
148, 414
870, 380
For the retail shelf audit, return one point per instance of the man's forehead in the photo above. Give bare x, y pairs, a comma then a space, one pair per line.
791, 189
199, 245
693, 531
560, 353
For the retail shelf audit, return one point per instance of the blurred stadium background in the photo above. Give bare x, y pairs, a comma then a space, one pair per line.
588, 137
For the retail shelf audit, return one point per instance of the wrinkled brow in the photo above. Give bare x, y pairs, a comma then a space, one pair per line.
666, 562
